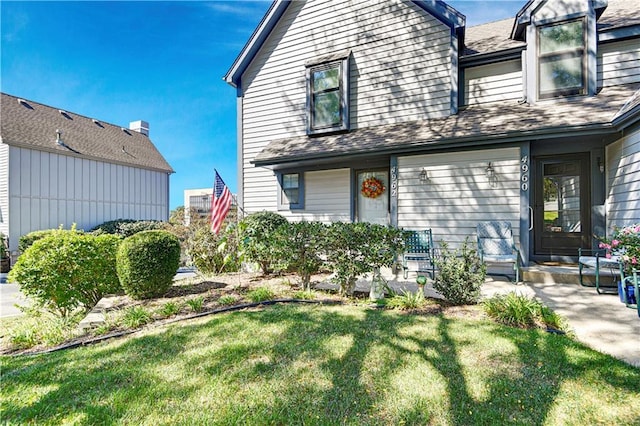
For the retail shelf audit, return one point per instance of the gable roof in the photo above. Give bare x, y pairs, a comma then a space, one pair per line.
437, 8
479, 124
32, 125
496, 36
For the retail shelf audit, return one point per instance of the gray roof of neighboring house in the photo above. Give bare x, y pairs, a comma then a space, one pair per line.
484, 123
33, 125
494, 36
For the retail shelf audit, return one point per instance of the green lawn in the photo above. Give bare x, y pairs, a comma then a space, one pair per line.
292, 364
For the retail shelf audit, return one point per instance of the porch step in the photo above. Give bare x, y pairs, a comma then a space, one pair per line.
564, 274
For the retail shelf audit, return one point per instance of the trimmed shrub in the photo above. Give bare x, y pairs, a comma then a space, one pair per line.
302, 242
127, 227
460, 274
147, 263
67, 270
213, 254
258, 239
27, 240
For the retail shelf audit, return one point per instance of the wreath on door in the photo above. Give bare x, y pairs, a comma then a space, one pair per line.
372, 187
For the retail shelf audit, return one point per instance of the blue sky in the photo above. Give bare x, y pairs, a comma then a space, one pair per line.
161, 62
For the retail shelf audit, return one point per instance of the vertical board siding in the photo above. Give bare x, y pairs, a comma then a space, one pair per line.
327, 197
400, 71
494, 82
623, 181
4, 188
458, 194
48, 190
619, 63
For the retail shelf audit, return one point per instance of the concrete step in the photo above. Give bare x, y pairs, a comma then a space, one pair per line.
567, 274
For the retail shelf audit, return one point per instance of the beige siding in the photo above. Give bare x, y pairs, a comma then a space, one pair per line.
458, 194
623, 181
4, 188
400, 71
491, 83
327, 197
48, 190
619, 63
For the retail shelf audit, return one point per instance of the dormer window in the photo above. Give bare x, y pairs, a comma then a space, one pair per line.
561, 59
328, 96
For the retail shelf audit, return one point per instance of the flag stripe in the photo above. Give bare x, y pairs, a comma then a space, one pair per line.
220, 204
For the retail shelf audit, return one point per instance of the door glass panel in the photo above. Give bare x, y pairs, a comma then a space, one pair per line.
562, 198
373, 205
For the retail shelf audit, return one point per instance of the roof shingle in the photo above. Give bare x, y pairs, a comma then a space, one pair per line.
33, 125
485, 122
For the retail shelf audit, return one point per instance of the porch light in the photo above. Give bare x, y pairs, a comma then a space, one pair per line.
424, 176
600, 165
490, 172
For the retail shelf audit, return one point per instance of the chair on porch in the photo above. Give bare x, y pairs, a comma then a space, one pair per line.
418, 249
496, 245
602, 265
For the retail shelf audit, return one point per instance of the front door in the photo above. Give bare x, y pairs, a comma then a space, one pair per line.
561, 210
372, 202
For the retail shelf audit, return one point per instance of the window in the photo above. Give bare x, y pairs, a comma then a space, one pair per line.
327, 92
291, 194
561, 59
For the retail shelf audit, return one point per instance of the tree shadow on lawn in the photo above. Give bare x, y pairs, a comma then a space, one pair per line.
96, 387
313, 365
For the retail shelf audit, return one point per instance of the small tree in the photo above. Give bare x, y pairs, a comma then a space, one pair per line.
343, 247
258, 238
302, 246
461, 273
67, 270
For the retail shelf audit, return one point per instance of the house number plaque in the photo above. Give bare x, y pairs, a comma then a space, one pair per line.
394, 181
524, 173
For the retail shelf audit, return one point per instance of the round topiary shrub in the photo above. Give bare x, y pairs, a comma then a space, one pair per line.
147, 263
67, 270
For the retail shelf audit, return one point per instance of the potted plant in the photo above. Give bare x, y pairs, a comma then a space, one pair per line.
5, 261
625, 245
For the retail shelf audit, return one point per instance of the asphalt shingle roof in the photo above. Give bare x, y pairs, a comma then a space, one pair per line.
494, 36
33, 125
484, 122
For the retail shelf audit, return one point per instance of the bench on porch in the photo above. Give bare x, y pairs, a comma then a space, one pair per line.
597, 260
418, 248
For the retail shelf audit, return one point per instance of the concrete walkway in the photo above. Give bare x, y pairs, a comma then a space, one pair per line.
600, 321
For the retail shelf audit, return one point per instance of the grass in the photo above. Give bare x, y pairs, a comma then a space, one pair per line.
521, 311
301, 364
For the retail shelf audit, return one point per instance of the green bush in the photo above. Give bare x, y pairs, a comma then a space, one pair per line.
213, 254
407, 300
127, 227
27, 240
258, 239
460, 274
67, 270
521, 311
260, 294
147, 263
302, 242
353, 249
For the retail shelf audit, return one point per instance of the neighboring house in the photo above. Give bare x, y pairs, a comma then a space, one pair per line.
533, 120
60, 168
200, 200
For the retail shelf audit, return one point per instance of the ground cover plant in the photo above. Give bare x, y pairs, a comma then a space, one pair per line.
301, 364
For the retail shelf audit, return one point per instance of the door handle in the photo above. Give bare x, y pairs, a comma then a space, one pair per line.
530, 218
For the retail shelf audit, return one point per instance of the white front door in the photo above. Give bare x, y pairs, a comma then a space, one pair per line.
373, 196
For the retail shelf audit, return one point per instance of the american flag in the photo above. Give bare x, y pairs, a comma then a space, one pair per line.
220, 204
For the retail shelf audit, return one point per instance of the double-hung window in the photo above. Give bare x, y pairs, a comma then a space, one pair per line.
328, 96
561, 59
291, 194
